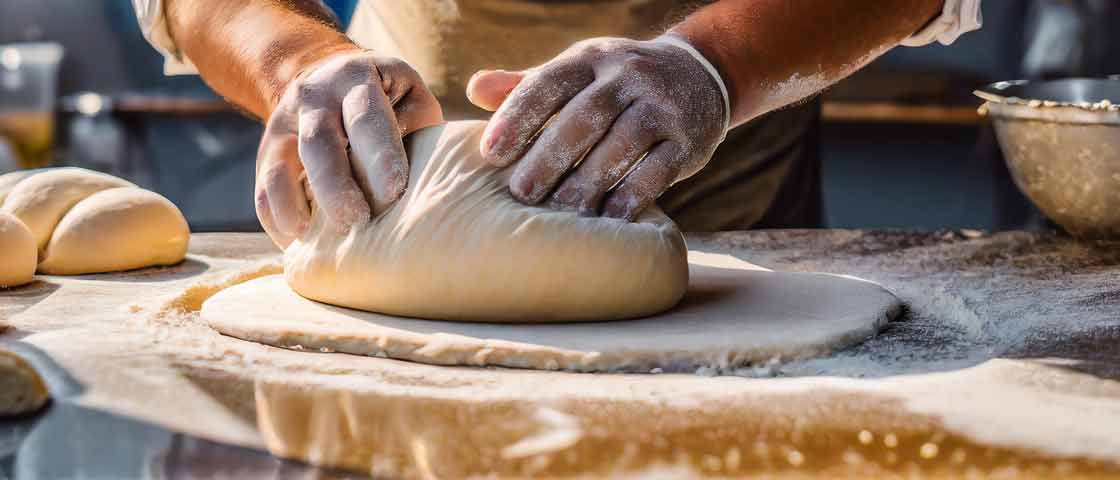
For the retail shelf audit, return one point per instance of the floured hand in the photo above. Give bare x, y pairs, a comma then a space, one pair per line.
631, 119
340, 123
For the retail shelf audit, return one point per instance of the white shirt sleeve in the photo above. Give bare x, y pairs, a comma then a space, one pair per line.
154, 26
957, 18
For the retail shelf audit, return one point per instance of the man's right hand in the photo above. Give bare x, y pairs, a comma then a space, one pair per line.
340, 122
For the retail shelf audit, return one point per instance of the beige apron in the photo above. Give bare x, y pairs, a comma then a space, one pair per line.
447, 41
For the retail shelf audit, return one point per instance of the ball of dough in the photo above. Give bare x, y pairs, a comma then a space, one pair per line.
18, 254
117, 229
41, 199
457, 246
21, 389
83, 221
9, 180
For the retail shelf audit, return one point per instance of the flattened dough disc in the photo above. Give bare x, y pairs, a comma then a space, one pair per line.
731, 315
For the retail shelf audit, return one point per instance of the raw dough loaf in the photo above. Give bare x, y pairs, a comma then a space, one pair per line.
88, 222
17, 252
21, 389
458, 247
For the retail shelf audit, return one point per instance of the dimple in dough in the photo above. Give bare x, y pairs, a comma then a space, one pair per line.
458, 247
88, 222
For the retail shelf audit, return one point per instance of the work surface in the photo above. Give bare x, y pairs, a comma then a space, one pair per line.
1008, 358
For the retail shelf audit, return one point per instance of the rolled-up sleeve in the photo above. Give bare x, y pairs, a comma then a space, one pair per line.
957, 18
154, 25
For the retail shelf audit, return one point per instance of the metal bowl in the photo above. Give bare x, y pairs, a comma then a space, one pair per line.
1061, 140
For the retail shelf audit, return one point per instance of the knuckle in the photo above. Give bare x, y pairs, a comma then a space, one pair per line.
267, 155
690, 167
545, 75
275, 175
639, 64
670, 170
559, 72
359, 69
278, 121
587, 47
260, 201
288, 102
392, 63
310, 131
600, 46
606, 94
271, 179
368, 118
643, 71
309, 92
361, 95
645, 109
649, 116
316, 131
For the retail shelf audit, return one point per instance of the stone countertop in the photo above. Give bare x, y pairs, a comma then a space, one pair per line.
971, 297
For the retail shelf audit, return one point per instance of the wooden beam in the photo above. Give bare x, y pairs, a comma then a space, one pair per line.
887, 112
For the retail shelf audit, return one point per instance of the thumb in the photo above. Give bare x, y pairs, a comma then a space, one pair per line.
487, 89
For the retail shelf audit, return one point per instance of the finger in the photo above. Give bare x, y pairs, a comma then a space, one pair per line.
264, 214
487, 89
564, 141
656, 172
608, 162
279, 181
529, 107
379, 162
413, 103
322, 147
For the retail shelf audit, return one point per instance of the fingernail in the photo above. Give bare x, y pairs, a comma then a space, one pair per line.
522, 187
491, 144
480, 73
470, 85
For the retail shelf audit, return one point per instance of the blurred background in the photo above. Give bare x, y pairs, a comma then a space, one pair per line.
903, 146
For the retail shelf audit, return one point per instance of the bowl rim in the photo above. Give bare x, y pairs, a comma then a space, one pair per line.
1004, 107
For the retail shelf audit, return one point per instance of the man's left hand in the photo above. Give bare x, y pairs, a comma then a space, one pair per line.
607, 126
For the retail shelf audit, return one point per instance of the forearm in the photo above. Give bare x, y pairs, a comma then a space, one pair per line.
249, 50
775, 52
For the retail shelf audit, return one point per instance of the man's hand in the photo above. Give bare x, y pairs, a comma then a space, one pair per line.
606, 126
340, 122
